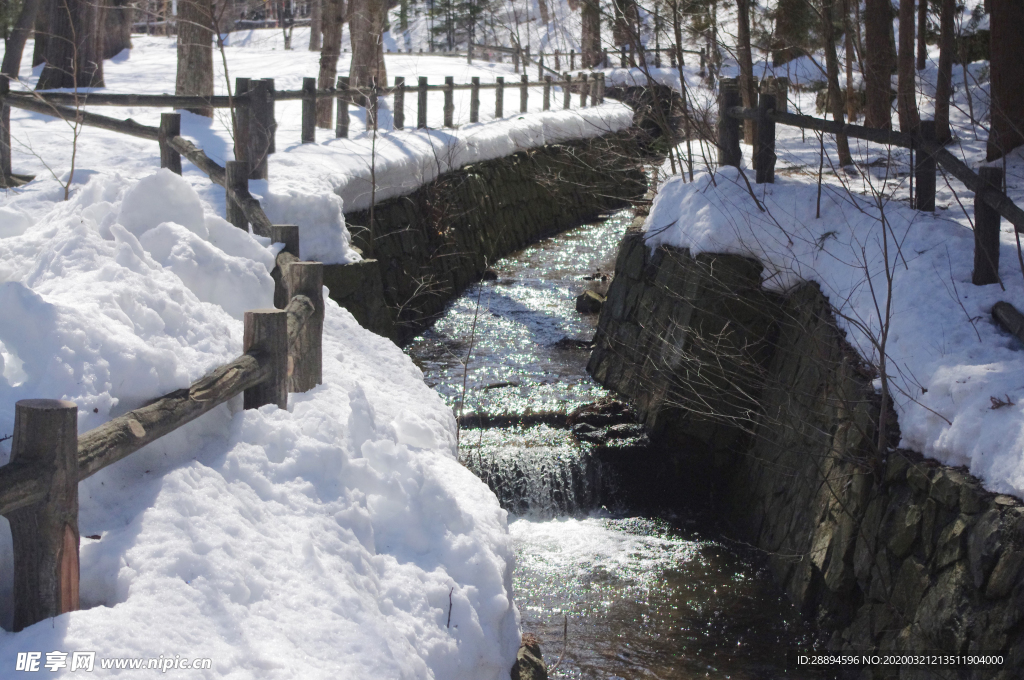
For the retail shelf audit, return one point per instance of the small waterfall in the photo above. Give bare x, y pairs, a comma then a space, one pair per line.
538, 471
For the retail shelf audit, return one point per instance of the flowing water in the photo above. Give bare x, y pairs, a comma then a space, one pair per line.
639, 596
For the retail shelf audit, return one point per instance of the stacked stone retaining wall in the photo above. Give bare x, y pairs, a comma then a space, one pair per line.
759, 397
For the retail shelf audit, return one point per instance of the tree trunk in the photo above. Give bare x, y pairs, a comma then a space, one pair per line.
117, 27
748, 90
944, 82
366, 27
315, 25
878, 63
42, 32
791, 30
14, 46
922, 31
1007, 129
545, 17
590, 44
333, 19
835, 94
906, 84
851, 94
195, 51
73, 51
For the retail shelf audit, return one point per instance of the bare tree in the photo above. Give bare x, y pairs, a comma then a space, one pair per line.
333, 19
116, 18
906, 84
748, 90
315, 25
1007, 112
922, 34
73, 56
195, 51
14, 45
878, 63
944, 81
835, 95
590, 41
366, 26
42, 31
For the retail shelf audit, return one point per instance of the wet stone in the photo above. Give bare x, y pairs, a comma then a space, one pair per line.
589, 302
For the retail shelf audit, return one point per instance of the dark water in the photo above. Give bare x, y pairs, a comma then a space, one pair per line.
641, 597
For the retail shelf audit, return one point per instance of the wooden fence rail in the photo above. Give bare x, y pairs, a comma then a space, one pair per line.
282, 353
990, 202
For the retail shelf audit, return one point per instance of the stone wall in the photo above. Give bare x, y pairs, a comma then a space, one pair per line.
758, 397
431, 244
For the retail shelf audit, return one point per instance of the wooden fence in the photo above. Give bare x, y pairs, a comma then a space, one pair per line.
990, 203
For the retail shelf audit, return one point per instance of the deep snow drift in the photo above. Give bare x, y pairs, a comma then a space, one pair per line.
332, 539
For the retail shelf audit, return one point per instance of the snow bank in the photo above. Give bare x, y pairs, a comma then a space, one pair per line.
947, 358
331, 539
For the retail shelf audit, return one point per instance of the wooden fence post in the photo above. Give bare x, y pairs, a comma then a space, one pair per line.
474, 100
524, 92
547, 93
309, 110
622, 58
604, 60
499, 97
986, 231
764, 141
702, 58
584, 90
305, 366
600, 88
5, 135
567, 91
236, 179
421, 103
266, 335
288, 234
515, 59
260, 123
672, 58
449, 101
344, 98
540, 66
728, 128
45, 536
170, 127
593, 89
271, 118
558, 64
399, 106
372, 103
925, 170
243, 119
572, 60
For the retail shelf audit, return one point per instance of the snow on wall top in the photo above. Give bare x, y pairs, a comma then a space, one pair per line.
947, 358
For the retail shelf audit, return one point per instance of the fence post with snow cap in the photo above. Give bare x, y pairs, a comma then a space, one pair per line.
421, 103
44, 533
170, 127
309, 110
306, 360
986, 231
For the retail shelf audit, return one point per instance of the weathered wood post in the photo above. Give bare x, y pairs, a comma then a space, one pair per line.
986, 231
593, 89
45, 535
271, 118
600, 88
449, 101
558, 64
764, 141
474, 100
305, 363
515, 59
372, 104
499, 97
236, 180
261, 115
265, 334
584, 89
524, 93
399, 112
170, 127
421, 103
567, 90
309, 110
672, 58
5, 136
540, 66
572, 60
703, 56
243, 119
344, 98
622, 58
604, 59
547, 93
728, 127
925, 170
288, 234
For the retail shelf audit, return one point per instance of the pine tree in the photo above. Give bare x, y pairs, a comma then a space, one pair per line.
1007, 64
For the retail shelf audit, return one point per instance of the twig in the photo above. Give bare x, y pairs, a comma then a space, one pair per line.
565, 642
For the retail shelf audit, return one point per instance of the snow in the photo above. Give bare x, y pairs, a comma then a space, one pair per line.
332, 538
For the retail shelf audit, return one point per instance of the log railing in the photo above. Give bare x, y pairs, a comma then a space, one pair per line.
281, 353
990, 202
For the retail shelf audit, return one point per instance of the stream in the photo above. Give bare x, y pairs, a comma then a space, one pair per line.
639, 595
